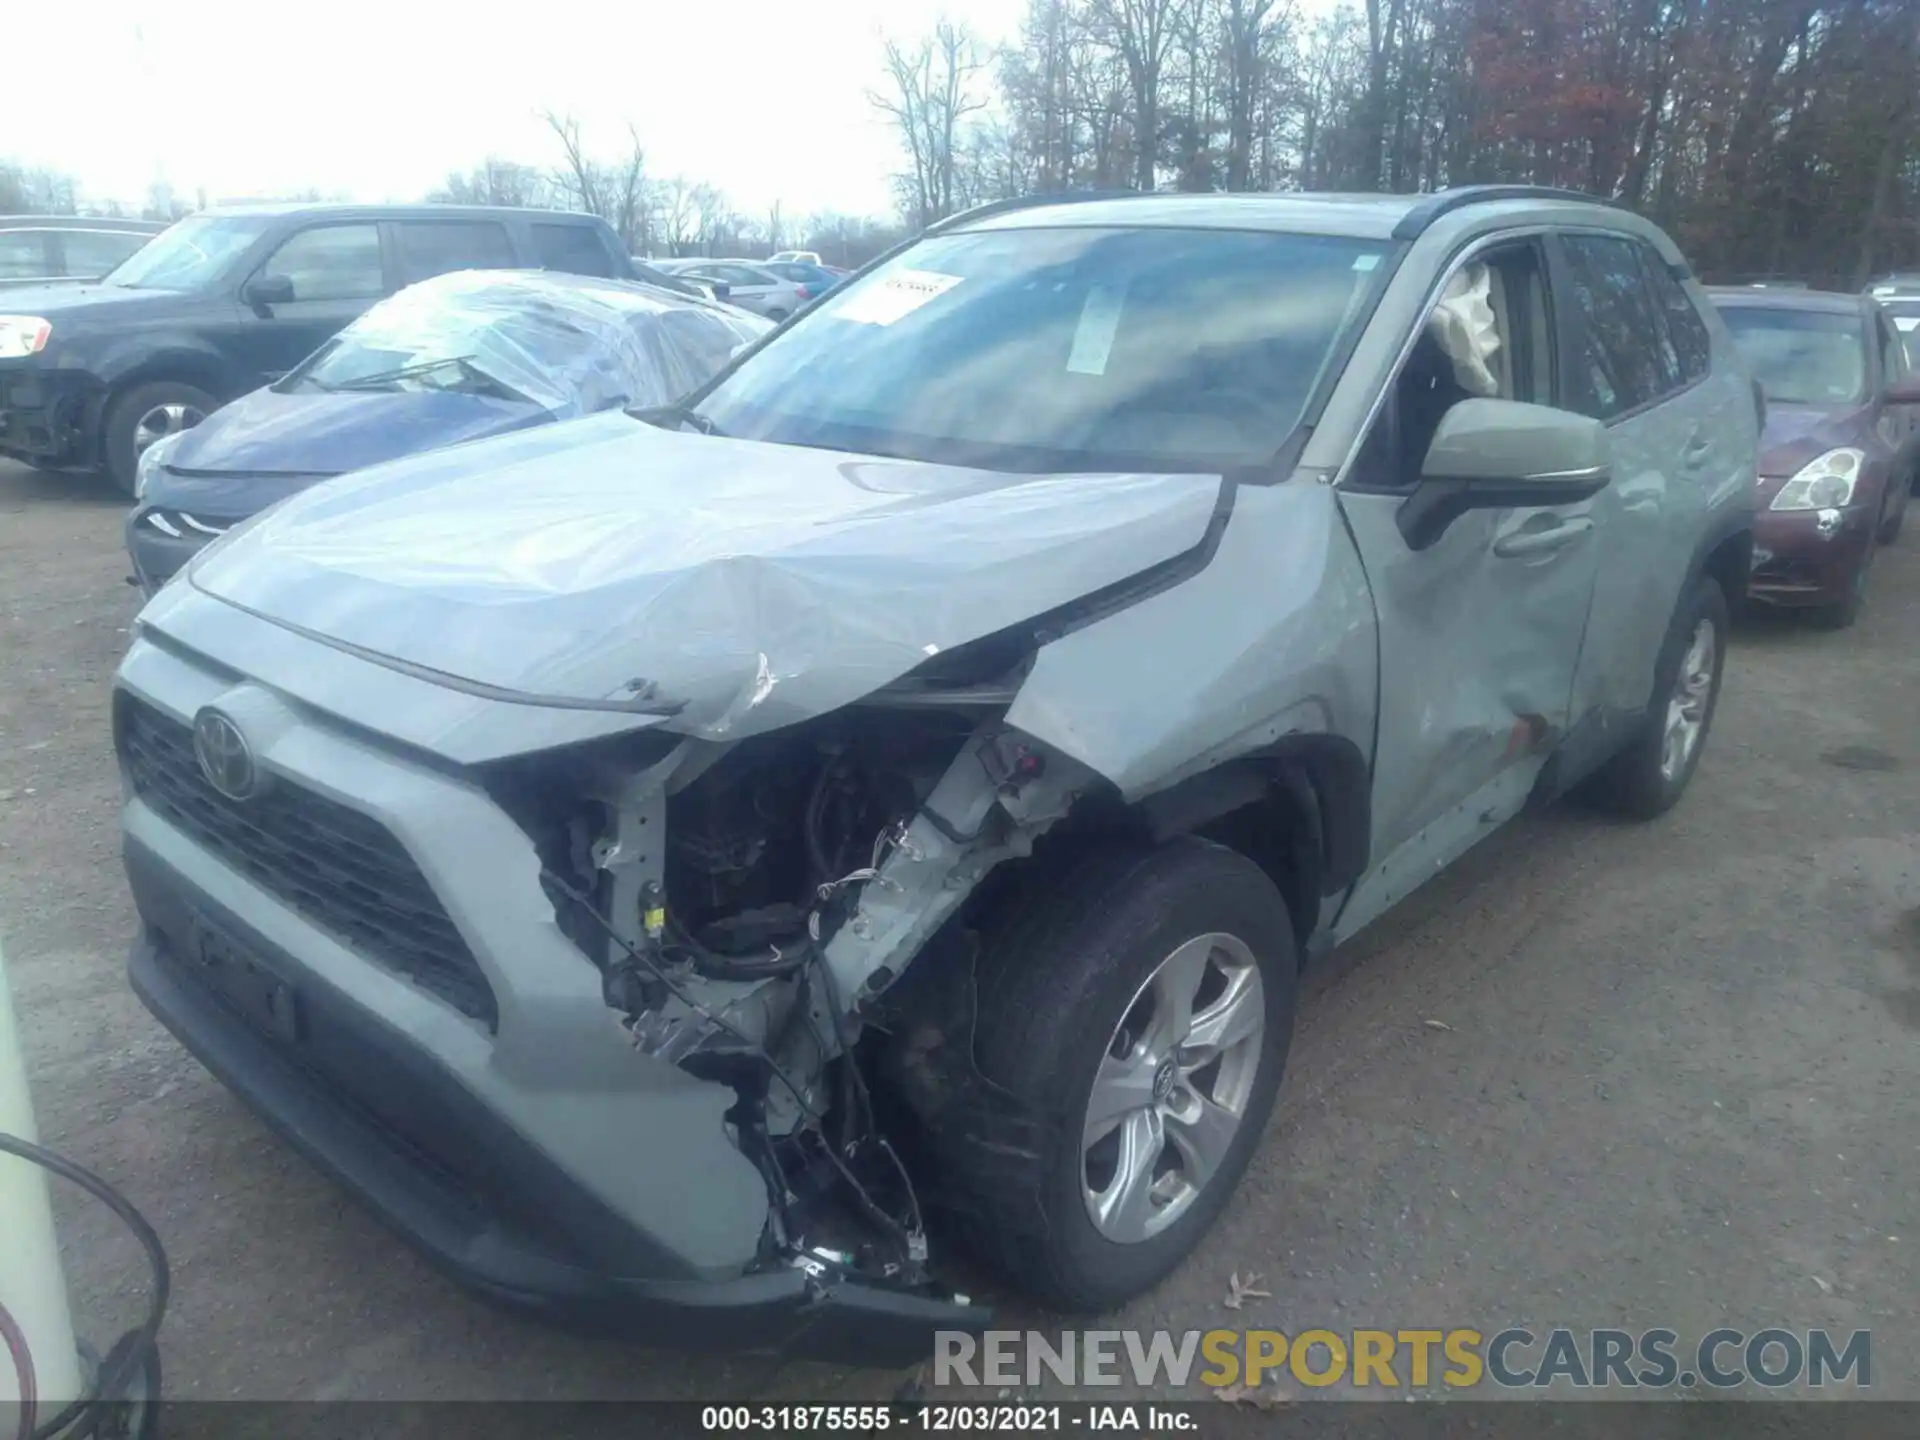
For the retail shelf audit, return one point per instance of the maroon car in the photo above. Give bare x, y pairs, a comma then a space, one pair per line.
1841, 450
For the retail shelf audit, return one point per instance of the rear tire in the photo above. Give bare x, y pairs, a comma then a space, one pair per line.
1106, 945
144, 414
1646, 778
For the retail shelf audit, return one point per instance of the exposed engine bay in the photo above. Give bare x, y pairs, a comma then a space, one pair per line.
748, 903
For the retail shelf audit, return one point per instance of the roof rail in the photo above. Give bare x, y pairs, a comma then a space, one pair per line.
1027, 202
1445, 202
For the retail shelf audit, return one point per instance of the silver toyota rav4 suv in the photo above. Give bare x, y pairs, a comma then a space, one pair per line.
687, 869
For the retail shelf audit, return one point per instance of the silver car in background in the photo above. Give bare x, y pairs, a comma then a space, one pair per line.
36, 249
750, 285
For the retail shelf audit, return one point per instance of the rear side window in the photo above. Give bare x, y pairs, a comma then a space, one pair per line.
95, 252
1685, 329
331, 262
576, 249
23, 254
1619, 363
434, 247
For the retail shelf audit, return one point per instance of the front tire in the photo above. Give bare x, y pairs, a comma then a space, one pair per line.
1134, 1021
1646, 778
144, 414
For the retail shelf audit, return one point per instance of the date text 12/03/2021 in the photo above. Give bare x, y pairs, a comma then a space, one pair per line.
939, 1419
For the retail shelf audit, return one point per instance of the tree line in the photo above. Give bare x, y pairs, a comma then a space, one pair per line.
660, 215
1770, 137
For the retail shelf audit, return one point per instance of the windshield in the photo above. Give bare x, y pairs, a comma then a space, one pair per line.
187, 255
1802, 357
1061, 350
566, 344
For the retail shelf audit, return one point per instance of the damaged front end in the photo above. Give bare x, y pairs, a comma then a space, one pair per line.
747, 904
700, 745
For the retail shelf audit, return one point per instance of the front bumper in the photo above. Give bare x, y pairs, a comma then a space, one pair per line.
48, 417
530, 1151
1798, 561
157, 556
780, 1310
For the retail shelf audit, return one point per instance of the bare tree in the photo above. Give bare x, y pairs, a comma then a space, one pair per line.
1142, 31
932, 89
495, 182
678, 208
1246, 23
37, 192
615, 191
713, 218
163, 204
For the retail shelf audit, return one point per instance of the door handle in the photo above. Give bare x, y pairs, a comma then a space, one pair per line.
1697, 450
1542, 542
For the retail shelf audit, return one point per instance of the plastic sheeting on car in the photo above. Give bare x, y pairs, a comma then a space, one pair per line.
570, 344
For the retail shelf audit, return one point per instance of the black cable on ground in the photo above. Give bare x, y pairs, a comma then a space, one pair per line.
124, 1360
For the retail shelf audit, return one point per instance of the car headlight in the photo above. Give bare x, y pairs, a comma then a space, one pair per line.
1822, 484
152, 457
23, 335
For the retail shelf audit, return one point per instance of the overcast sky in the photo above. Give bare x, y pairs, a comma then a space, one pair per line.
378, 101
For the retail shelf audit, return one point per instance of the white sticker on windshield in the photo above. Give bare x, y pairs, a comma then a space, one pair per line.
896, 296
1093, 338
1364, 263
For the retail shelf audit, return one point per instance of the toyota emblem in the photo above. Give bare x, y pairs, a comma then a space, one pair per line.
224, 756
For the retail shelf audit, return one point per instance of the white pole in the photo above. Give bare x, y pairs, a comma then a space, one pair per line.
33, 1290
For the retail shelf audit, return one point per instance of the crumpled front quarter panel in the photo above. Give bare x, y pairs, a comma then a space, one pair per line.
1276, 635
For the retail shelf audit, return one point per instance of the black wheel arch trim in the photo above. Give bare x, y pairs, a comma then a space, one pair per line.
1736, 526
1324, 777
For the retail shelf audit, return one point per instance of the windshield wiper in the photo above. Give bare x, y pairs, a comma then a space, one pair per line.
670, 416
404, 372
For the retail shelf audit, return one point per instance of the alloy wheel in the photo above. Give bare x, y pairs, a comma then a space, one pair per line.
1687, 706
1173, 1088
164, 420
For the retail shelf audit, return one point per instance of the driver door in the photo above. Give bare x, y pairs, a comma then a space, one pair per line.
1480, 632
337, 270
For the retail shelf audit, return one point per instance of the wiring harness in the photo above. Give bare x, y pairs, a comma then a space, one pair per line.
100, 1411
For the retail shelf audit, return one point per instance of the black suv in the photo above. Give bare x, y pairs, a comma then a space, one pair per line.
228, 299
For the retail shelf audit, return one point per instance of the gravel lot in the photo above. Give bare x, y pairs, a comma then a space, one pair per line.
1677, 1087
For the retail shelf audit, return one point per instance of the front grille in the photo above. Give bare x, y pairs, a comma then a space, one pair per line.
343, 870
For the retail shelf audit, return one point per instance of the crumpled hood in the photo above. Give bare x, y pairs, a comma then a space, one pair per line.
264, 446
606, 561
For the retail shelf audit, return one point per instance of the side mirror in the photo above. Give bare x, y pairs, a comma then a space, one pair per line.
1499, 455
265, 291
1905, 390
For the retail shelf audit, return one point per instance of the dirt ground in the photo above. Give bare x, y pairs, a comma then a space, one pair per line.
1673, 1081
